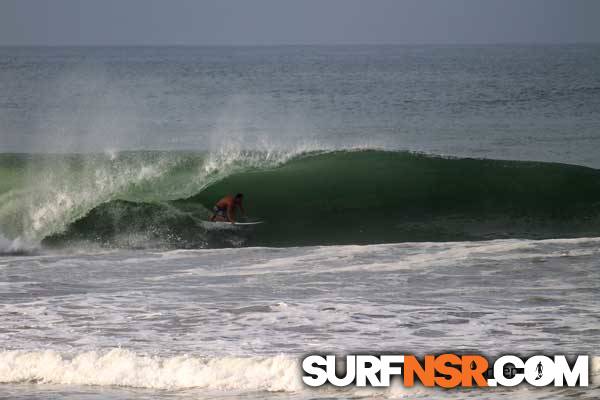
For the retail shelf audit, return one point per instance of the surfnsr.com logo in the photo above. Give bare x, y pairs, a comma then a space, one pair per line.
444, 370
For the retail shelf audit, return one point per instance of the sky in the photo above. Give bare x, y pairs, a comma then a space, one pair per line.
277, 22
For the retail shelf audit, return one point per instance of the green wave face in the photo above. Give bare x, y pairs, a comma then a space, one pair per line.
376, 197
346, 197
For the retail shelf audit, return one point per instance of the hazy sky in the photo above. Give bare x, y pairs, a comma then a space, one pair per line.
265, 22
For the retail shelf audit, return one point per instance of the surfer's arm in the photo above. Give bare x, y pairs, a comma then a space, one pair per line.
230, 215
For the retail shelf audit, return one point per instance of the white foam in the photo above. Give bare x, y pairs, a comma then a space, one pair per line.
595, 370
388, 257
119, 367
14, 246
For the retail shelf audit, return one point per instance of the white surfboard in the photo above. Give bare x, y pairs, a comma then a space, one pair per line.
223, 223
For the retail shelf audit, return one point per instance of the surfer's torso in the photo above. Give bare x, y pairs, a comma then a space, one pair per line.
225, 203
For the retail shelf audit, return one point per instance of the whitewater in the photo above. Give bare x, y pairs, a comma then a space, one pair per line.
415, 199
239, 320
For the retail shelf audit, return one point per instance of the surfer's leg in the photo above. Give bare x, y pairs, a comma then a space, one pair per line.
218, 215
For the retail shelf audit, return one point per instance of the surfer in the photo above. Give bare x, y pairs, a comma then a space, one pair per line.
224, 210
539, 369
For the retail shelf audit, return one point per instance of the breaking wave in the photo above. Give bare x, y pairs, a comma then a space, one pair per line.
162, 199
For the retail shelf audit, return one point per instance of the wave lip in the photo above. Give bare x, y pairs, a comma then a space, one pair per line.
120, 367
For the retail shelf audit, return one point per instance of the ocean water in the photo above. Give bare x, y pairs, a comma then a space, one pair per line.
415, 199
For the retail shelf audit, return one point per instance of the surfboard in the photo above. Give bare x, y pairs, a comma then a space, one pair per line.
222, 223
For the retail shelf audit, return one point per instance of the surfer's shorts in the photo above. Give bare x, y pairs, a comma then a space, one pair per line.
221, 212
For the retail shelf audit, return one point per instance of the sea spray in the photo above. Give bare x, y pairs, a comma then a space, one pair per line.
14, 246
